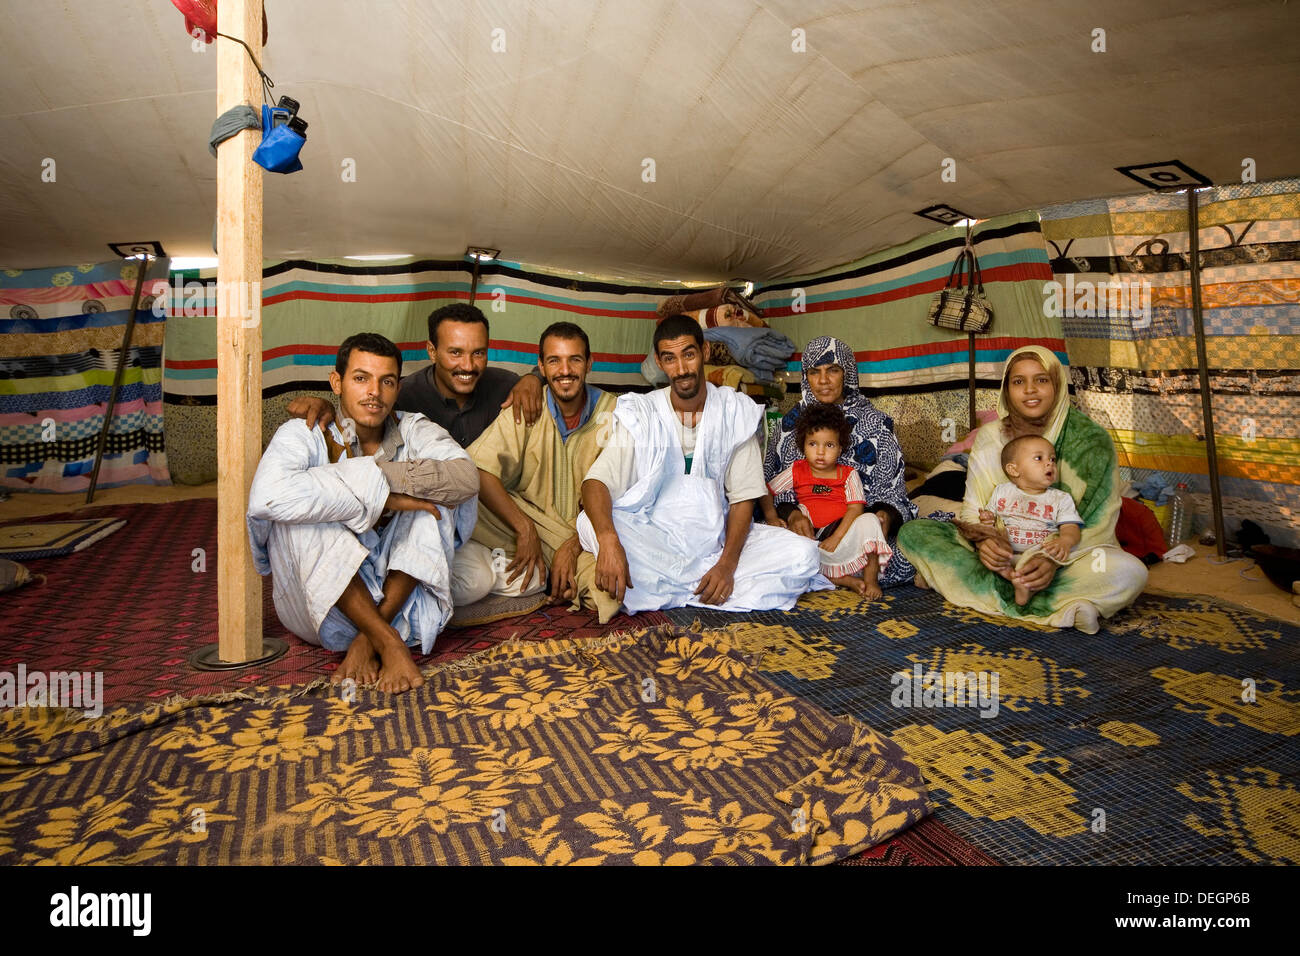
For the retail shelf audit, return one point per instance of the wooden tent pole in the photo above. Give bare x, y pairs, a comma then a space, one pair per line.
239, 335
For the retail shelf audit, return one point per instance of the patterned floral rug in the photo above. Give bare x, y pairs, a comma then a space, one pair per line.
97, 615
657, 747
98, 610
1168, 738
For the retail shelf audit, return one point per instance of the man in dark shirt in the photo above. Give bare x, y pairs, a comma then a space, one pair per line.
458, 391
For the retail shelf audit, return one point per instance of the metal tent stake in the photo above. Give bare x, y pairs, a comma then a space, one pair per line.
1202, 363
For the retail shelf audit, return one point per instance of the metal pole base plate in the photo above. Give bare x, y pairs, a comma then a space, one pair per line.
208, 658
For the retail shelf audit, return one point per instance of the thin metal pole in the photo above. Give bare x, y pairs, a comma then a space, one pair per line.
1202, 363
473, 286
117, 379
971, 353
970, 341
970, 336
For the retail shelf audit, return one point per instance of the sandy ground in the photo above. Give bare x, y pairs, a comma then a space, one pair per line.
1237, 582
22, 505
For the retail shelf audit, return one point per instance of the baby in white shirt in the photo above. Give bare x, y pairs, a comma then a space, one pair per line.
1034, 514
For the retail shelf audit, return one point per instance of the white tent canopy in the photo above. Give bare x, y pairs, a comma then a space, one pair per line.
767, 161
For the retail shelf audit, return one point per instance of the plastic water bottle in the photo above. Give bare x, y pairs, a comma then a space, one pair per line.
1177, 515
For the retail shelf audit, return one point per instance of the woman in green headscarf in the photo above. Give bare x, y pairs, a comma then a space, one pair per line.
961, 560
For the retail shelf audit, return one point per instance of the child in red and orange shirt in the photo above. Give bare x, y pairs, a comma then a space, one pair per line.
852, 542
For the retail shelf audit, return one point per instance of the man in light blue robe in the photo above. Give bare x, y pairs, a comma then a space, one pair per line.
358, 524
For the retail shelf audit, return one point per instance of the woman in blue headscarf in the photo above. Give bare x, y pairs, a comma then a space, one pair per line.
830, 376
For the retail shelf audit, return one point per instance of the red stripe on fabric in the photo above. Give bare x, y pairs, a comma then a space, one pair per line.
531, 349
580, 309
371, 297
71, 293
301, 350
982, 344
930, 348
1019, 272
71, 415
501, 344
380, 297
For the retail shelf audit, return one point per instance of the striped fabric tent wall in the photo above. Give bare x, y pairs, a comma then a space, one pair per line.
1133, 361
878, 304
60, 338
911, 370
1135, 374
310, 307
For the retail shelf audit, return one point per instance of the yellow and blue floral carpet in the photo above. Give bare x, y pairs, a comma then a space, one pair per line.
1171, 737
662, 747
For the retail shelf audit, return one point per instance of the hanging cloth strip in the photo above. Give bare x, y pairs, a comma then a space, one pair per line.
232, 121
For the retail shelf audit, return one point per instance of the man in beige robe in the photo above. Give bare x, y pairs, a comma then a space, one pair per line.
530, 478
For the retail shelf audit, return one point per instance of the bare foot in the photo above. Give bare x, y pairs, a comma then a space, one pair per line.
871, 590
398, 672
1022, 595
921, 582
360, 663
849, 581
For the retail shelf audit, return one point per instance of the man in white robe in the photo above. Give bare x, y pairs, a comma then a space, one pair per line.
668, 506
358, 525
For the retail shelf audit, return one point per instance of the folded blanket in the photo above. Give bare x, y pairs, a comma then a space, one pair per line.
693, 301
708, 307
730, 376
763, 351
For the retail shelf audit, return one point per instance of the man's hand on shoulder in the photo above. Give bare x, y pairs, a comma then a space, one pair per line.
525, 399
314, 409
